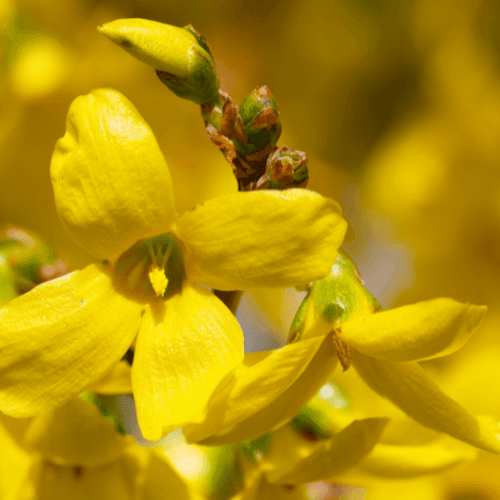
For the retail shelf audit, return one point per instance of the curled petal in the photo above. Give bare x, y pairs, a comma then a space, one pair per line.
266, 391
409, 387
111, 184
329, 458
259, 239
401, 462
184, 348
415, 332
60, 337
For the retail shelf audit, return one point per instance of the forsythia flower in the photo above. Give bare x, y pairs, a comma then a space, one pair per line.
73, 452
114, 195
337, 315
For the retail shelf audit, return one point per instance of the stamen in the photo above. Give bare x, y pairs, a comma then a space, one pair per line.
167, 254
344, 351
157, 275
152, 253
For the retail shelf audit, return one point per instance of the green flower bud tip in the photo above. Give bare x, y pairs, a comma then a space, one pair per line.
313, 420
332, 301
180, 56
26, 260
261, 121
287, 168
256, 449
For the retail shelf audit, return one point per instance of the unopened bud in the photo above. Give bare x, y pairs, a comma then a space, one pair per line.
287, 168
313, 420
180, 56
25, 261
261, 122
332, 301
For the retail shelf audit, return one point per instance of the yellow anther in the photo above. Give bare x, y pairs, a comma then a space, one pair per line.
158, 279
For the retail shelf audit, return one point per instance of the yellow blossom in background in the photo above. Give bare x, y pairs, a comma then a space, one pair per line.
75, 453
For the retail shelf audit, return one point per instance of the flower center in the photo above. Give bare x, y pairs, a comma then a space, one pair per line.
157, 276
154, 265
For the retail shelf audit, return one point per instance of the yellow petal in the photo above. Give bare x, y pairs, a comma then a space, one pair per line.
162, 481
283, 408
261, 239
60, 337
184, 348
264, 392
257, 487
115, 481
401, 462
420, 331
408, 386
14, 460
111, 184
329, 458
75, 434
117, 381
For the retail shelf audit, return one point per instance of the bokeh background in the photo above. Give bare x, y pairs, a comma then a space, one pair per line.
397, 104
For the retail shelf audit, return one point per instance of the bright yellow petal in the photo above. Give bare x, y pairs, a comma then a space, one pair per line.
117, 381
260, 392
329, 458
60, 337
75, 434
111, 184
261, 239
284, 407
408, 386
162, 481
402, 462
14, 460
115, 481
256, 486
420, 331
184, 348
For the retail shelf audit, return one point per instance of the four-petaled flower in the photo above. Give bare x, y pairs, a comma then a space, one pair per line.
336, 322
114, 195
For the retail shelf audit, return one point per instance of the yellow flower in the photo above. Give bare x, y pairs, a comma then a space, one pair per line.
337, 315
75, 453
114, 195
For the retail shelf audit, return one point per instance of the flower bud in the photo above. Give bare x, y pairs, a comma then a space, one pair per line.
180, 56
261, 122
287, 168
314, 421
25, 261
332, 301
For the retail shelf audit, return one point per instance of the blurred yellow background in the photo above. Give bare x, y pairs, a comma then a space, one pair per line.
397, 104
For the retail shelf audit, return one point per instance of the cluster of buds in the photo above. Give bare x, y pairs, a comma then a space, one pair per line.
247, 136
25, 261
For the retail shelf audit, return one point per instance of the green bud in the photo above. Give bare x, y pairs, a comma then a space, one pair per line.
256, 449
104, 410
287, 168
333, 300
261, 122
313, 420
25, 261
180, 56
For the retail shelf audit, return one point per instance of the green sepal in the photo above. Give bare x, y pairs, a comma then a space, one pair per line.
254, 450
104, 410
332, 301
